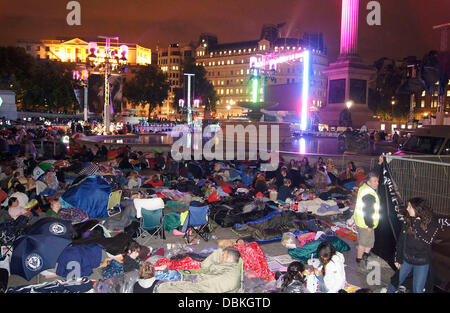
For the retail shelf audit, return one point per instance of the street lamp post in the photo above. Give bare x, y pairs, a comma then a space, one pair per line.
189, 107
392, 109
109, 63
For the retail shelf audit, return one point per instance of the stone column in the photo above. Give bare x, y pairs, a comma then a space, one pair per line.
349, 28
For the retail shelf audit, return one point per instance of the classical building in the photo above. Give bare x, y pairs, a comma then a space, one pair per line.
228, 66
427, 104
76, 50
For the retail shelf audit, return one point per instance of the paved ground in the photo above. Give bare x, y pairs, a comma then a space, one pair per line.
354, 274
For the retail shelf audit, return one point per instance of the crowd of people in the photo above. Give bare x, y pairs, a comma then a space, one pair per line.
23, 190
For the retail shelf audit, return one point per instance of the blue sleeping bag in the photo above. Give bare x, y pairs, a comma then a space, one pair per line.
91, 195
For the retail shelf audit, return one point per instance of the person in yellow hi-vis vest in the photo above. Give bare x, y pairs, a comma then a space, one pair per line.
367, 216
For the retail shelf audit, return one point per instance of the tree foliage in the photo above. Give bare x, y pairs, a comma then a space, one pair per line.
203, 89
389, 78
149, 86
40, 85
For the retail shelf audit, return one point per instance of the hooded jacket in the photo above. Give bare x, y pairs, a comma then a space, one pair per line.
334, 277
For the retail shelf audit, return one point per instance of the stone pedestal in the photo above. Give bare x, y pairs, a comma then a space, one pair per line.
348, 77
8, 108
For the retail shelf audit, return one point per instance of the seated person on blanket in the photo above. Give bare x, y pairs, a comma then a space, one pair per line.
147, 281
220, 272
293, 281
332, 279
154, 181
285, 191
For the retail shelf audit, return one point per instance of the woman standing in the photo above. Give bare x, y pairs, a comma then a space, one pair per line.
414, 244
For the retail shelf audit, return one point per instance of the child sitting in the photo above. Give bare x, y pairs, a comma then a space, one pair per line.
332, 266
147, 280
294, 279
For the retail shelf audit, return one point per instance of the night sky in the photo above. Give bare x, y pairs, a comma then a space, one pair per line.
406, 24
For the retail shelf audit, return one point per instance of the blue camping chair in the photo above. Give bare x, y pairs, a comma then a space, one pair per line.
152, 223
196, 223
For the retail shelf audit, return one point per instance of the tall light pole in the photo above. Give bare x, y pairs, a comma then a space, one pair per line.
189, 106
108, 63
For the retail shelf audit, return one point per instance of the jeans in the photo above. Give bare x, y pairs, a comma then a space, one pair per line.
322, 287
420, 275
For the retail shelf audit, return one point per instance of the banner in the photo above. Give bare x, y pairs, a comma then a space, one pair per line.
79, 95
96, 96
390, 223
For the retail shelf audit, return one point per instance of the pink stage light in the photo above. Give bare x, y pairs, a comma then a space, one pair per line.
124, 50
272, 61
181, 103
92, 46
305, 90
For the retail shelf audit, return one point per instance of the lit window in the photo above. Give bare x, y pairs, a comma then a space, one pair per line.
422, 103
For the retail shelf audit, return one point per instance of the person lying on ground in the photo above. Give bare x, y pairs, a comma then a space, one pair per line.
15, 209
220, 272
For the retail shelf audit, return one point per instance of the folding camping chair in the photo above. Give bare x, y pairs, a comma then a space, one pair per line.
152, 223
114, 203
150, 213
197, 221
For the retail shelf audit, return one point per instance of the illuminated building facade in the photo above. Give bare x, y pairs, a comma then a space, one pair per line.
170, 62
76, 50
228, 67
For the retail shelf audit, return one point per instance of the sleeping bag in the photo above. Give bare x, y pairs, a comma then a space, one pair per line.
304, 253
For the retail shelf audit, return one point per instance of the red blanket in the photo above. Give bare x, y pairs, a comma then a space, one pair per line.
183, 264
255, 260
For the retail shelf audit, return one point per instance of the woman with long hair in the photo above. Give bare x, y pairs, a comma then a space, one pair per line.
414, 244
293, 281
333, 278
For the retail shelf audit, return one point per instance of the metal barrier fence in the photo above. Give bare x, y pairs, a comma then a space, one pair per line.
427, 177
340, 161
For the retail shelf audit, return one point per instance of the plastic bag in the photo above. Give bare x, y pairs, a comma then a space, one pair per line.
289, 240
119, 284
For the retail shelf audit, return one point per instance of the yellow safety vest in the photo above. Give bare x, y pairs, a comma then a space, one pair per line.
359, 212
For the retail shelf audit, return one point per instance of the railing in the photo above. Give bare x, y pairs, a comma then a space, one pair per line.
427, 177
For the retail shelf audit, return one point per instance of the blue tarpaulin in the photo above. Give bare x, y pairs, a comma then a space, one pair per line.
91, 195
